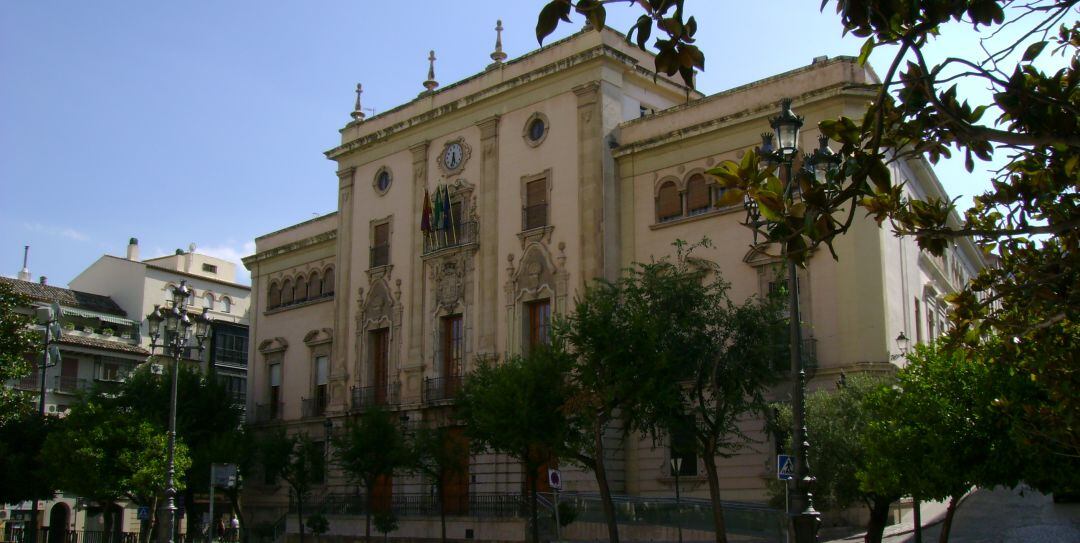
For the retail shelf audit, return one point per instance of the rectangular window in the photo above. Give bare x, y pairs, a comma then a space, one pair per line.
380, 247
112, 370
379, 358
318, 462
535, 213
321, 380
539, 322
918, 322
209, 268
275, 390
682, 450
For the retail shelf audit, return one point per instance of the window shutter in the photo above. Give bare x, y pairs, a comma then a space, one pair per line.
536, 192
320, 370
275, 375
382, 234
668, 204
697, 194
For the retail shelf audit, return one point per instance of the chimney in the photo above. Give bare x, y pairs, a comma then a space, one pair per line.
189, 257
24, 274
43, 280
133, 249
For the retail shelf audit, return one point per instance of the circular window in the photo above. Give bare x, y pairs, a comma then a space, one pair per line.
536, 129
382, 180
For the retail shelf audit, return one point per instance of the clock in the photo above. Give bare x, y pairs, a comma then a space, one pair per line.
452, 156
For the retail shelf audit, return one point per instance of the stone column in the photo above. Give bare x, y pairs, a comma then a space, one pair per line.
488, 276
339, 367
413, 365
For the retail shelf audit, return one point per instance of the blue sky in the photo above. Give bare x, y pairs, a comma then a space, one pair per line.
205, 121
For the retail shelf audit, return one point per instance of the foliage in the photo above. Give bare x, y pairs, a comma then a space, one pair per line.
518, 408
385, 522
439, 454
837, 422
23, 473
939, 432
372, 447
567, 514
17, 341
106, 453
318, 524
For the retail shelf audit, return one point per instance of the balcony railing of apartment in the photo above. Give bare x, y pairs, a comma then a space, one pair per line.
69, 385
268, 411
534, 216
313, 407
30, 382
463, 233
366, 397
380, 255
439, 389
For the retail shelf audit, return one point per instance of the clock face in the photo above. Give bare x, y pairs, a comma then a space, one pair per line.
452, 156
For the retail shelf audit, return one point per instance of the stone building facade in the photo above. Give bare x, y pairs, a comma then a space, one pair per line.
561, 166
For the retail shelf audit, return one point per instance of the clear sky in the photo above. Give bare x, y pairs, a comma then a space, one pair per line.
205, 121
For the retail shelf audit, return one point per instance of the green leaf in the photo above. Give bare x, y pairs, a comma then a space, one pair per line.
548, 20
730, 197
1033, 51
867, 48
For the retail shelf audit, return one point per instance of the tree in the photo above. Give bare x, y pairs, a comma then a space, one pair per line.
839, 421
939, 432
372, 448
238, 448
518, 408
105, 453
17, 341
24, 475
1029, 218
439, 454
296, 459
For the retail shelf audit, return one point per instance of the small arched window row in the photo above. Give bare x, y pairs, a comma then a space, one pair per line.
699, 195
302, 288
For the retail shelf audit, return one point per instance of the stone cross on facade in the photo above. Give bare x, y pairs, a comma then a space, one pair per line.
358, 112
430, 84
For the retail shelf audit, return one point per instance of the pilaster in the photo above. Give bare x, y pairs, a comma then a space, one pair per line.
488, 272
339, 367
413, 365
590, 186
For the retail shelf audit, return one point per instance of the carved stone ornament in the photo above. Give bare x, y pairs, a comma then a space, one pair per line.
273, 345
319, 337
449, 278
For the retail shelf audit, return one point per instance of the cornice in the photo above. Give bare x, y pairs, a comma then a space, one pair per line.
602, 51
288, 248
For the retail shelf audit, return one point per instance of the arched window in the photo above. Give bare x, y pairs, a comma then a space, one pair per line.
328, 282
287, 292
668, 202
273, 297
314, 288
208, 301
226, 304
697, 195
301, 289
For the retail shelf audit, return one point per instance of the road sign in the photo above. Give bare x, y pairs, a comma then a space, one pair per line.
223, 475
785, 467
144, 513
555, 479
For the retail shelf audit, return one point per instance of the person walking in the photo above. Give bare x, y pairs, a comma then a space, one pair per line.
234, 529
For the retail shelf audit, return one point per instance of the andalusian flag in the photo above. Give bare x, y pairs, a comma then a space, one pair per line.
438, 218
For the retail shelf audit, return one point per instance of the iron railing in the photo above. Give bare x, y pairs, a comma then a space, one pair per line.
69, 385
383, 395
17, 534
463, 233
30, 382
534, 216
313, 407
440, 389
268, 412
489, 505
380, 256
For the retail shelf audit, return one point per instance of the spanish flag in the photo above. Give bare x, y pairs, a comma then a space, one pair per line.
425, 218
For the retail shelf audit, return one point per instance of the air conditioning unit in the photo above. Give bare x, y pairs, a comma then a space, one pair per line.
52, 409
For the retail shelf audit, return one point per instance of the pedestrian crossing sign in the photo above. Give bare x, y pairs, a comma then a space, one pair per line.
785, 467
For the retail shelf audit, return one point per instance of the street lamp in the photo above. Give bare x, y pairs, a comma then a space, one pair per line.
676, 466
805, 520
173, 326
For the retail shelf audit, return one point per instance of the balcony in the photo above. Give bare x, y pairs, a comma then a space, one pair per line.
441, 389
30, 382
461, 234
313, 407
380, 256
367, 397
69, 385
268, 412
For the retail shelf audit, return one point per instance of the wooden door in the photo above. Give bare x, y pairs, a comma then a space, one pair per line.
380, 355
455, 481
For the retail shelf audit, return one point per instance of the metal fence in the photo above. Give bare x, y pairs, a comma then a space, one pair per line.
438, 389
47, 535
462, 233
482, 505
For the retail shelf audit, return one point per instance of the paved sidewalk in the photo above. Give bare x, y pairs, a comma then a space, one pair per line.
996, 516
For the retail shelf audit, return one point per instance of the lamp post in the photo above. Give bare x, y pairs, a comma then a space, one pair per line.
49, 319
676, 466
173, 326
805, 520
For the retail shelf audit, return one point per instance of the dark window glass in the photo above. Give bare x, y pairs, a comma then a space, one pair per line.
383, 181
539, 322
536, 204
536, 129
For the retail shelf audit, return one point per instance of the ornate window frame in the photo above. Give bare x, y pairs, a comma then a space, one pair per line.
389, 182
527, 129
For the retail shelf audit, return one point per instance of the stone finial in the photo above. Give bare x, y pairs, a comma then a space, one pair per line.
498, 56
431, 84
358, 112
